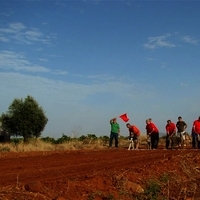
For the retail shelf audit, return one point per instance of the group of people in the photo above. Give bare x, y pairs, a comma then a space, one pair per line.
174, 133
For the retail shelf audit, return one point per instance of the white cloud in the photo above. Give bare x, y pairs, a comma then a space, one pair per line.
60, 72
7, 14
43, 60
150, 59
158, 42
67, 91
7, 31
61, 3
93, 84
17, 62
97, 77
4, 39
35, 35
17, 26
70, 104
185, 85
19, 33
39, 49
161, 41
190, 40
12, 61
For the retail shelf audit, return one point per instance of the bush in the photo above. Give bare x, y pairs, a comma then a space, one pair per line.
16, 140
63, 139
152, 190
82, 138
48, 140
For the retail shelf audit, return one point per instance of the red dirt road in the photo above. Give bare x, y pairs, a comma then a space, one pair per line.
89, 174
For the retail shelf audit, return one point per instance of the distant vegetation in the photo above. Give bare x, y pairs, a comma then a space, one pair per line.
90, 141
24, 118
65, 142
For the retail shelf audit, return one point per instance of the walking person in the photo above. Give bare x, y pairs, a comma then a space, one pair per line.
153, 132
196, 129
114, 133
181, 133
134, 135
170, 133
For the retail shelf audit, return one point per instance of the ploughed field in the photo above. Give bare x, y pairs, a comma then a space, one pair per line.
100, 174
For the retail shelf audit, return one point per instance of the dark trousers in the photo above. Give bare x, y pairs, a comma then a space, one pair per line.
113, 136
194, 140
154, 140
198, 144
198, 140
169, 141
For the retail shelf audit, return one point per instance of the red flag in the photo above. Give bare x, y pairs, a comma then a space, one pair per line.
124, 117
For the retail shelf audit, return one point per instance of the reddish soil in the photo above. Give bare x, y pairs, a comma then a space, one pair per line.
99, 174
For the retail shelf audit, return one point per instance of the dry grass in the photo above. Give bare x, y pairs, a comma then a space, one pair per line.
34, 145
19, 193
39, 145
180, 184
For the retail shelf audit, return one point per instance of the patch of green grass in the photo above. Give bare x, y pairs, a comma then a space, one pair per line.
152, 190
165, 178
109, 197
93, 195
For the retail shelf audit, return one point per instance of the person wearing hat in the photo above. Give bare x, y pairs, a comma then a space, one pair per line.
114, 133
181, 133
134, 134
196, 131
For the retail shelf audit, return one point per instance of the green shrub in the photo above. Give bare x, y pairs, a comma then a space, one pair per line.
92, 136
63, 139
16, 140
165, 178
48, 140
152, 190
82, 138
104, 138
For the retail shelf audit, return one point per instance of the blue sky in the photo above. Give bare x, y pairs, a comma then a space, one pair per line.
86, 62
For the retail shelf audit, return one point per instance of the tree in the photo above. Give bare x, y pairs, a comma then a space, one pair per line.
24, 118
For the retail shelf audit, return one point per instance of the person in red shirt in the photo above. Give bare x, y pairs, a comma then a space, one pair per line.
170, 133
196, 129
134, 135
152, 132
